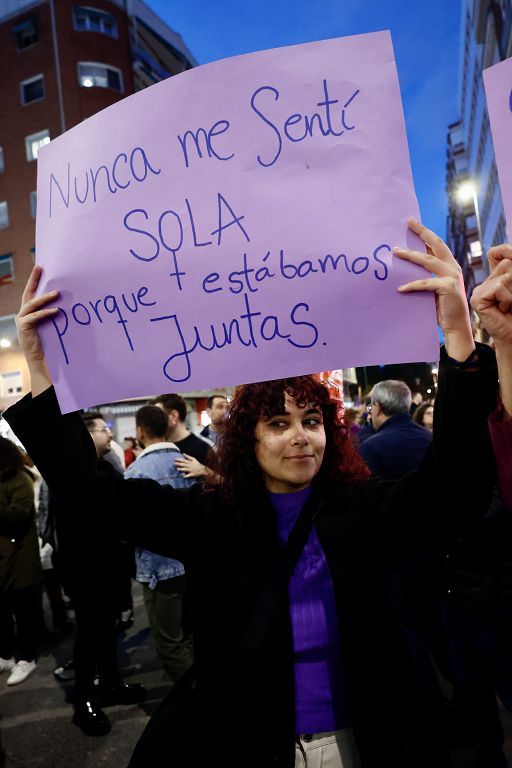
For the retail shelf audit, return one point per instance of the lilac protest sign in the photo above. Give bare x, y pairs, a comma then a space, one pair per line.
498, 90
233, 224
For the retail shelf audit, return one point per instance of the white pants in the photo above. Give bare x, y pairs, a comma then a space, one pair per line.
327, 750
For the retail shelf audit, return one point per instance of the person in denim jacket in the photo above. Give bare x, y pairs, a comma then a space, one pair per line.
162, 578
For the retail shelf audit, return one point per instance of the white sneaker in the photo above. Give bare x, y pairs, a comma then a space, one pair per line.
6, 664
20, 672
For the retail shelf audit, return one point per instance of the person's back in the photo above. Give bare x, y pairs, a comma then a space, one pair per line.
399, 444
159, 464
397, 448
162, 578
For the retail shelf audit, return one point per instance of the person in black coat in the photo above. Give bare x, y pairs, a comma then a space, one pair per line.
417, 588
321, 669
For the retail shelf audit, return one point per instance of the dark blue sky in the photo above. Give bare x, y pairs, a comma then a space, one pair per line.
426, 40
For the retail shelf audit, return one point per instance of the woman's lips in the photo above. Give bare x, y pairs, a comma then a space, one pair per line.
299, 458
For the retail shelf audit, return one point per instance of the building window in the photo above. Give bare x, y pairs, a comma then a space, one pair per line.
26, 34
500, 236
32, 90
100, 75
93, 20
2, 166
34, 142
4, 215
33, 204
6, 269
12, 383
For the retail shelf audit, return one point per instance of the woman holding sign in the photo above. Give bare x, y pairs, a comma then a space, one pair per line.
298, 661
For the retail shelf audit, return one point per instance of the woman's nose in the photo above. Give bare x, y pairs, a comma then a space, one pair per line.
300, 436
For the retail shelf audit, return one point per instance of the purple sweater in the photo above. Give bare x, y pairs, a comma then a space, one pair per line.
320, 703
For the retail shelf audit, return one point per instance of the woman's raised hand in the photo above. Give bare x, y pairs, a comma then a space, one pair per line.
447, 284
33, 309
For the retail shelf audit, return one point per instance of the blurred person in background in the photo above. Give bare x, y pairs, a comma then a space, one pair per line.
424, 416
176, 409
131, 450
399, 444
20, 567
416, 401
163, 579
216, 408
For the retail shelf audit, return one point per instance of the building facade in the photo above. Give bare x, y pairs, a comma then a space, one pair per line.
476, 219
61, 62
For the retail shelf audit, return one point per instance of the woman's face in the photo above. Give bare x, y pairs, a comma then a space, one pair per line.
290, 447
428, 417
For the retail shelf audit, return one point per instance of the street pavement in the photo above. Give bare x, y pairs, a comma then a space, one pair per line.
36, 717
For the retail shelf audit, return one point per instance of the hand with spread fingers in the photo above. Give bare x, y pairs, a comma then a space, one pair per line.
447, 284
32, 311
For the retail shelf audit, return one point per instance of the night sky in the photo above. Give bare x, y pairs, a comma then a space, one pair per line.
426, 39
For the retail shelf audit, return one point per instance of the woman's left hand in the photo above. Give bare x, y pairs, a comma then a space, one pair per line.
448, 286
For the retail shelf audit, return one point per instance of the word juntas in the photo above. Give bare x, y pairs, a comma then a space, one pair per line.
90, 185
249, 328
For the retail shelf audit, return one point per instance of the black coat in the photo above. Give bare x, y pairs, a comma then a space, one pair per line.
86, 562
236, 706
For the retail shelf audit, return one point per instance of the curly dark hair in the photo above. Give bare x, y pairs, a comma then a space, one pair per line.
236, 457
11, 459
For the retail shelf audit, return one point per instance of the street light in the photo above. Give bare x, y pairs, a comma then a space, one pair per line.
5, 343
466, 193
435, 372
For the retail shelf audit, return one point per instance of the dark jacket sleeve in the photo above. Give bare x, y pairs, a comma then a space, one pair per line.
155, 517
452, 487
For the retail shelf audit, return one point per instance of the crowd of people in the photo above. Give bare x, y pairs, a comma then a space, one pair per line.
319, 591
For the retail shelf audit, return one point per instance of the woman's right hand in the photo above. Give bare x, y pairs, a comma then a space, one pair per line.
33, 309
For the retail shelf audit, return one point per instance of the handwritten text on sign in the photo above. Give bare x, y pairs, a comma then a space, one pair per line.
232, 224
498, 90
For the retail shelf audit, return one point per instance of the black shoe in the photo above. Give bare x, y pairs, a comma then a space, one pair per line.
126, 693
91, 719
65, 672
